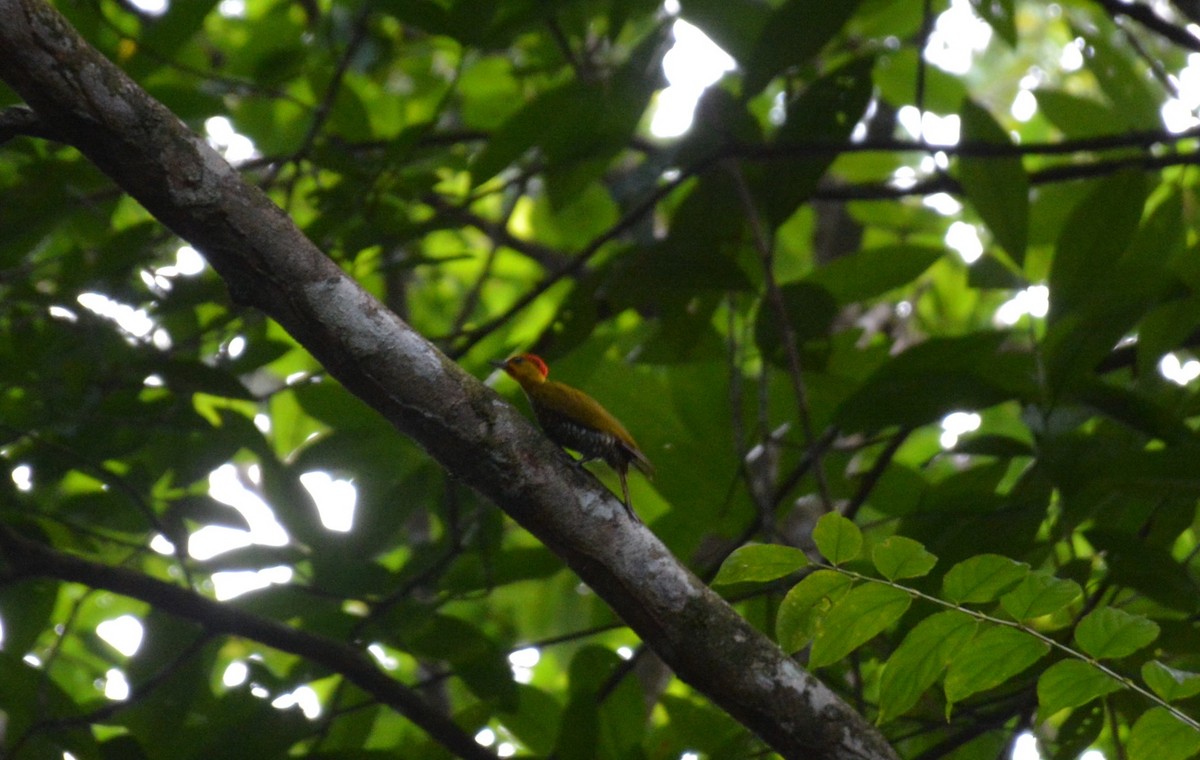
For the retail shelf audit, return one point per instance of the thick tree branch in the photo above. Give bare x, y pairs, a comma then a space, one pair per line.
26, 558
266, 262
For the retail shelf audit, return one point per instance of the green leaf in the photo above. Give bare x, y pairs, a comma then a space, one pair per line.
29, 697
1071, 683
853, 621
1137, 409
700, 253
896, 75
794, 33
477, 659
1135, 99
990, 659
759, 563
1040, 594
1001, 446
1074, 115
1079, 730
872, 272
1159, 735
611, 731
810, 313
898, 557
1149, 569
934, 378
982, 578
825, 113
802, 612
997, 187
735, 25
695, 723
839, 539
1111, 633
1088, 251
26, 609
579, 124
1164, 329
174, 29
535, 721
1001, 16
920, 659
1170, 683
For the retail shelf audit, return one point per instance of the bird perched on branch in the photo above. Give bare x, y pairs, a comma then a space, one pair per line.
575, 420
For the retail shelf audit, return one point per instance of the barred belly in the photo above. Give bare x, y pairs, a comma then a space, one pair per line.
591, 443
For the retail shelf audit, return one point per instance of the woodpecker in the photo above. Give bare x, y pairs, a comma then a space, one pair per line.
575, 420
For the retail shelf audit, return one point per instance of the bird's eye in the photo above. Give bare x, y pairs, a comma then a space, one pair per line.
518, 360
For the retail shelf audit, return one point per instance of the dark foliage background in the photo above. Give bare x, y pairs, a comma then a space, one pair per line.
793, 306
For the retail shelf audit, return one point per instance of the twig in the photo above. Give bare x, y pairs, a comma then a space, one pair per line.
871, 479
766, 252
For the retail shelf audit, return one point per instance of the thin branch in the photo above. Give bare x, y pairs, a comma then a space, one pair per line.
209, 77
139, 692
944, 184
1136, 139
766, 251
819, 447
570, 268
1050, 641
871, 479
324, 109
1146, 16
28, 558
579, 64
922, 64
497, 231
104, 474
62, 630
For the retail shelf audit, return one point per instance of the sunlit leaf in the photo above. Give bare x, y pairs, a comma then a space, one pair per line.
855, 619
1109, 633
1040, 594
990, 659
759, 562
920, 660
982, 578
1159, 735
1170, 683
898, 557
1071, 683
839, 539
802, 612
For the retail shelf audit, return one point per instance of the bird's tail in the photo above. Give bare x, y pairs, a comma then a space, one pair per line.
625, 493
639, 460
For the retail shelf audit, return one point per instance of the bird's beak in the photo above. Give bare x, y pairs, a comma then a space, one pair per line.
498, 365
